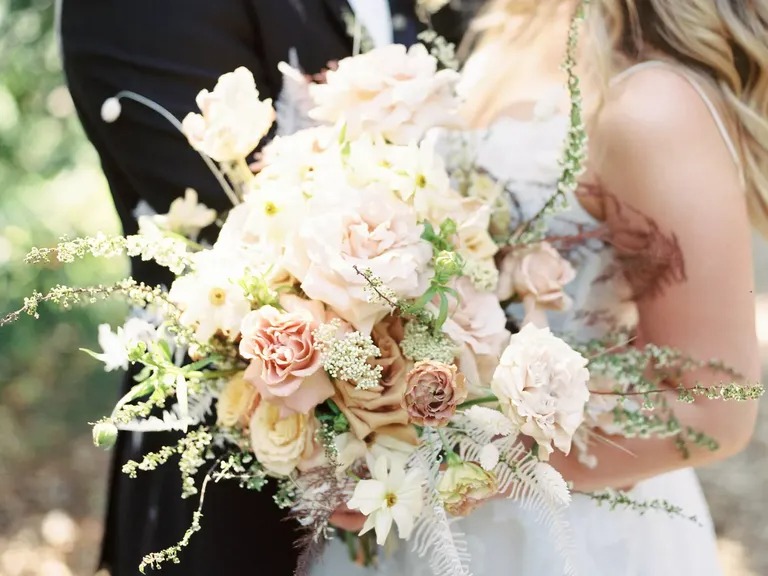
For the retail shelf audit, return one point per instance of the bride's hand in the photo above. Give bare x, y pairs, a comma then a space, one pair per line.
346, 519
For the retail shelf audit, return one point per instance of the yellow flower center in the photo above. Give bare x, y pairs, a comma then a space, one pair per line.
270, 208
217, 297
421, 181
390, 499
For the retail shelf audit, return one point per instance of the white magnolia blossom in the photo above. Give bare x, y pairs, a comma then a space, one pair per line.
186, 216
391, 91
541, 384
391, 495
232, 121
116, 345
211, 299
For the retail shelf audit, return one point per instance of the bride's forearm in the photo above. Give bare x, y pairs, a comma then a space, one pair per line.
624, 462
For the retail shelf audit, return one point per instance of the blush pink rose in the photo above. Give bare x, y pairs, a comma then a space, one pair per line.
537, 273
285, 367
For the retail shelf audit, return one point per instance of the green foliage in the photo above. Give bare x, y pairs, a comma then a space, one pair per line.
49, 179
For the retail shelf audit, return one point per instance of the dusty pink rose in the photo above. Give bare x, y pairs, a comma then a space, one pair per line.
285, 366
536, 274
433, 391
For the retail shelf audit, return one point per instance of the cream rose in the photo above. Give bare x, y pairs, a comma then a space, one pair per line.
433, 392
391, 91
541, 384
371, 409
365, 230
278, 443
285, 366
536, 274
236, 402
232, 121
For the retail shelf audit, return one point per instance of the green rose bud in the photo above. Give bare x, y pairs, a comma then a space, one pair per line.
104, 435
464, 486
447, 265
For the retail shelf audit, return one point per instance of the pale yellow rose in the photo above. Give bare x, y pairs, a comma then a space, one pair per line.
280, 444
464, 486
236, 402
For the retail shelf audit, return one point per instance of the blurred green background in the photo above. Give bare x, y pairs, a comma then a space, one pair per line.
52, 479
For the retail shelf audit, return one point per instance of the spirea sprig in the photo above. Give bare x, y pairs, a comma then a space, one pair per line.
345, 356
167, 251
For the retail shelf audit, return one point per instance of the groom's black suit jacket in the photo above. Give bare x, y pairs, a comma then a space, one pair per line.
168, 50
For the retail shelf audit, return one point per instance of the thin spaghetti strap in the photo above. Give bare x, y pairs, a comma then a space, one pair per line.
724, 133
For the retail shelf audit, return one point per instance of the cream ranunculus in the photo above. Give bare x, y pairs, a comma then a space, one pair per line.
280, 444
370, 230
477, 324
391, 91
464, 486
236, 402
536, 273
541, 384
232, 121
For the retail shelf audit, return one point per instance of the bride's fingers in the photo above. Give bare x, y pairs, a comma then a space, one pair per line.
349, 521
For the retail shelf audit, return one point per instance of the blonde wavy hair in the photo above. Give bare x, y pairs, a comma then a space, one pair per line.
723, 41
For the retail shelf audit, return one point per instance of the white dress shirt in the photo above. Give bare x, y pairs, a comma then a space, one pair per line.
375, 16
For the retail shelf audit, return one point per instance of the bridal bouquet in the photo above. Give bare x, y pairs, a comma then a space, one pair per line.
344, 337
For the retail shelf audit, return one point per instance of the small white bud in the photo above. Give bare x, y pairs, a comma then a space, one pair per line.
110, 110
104, 435
489, 457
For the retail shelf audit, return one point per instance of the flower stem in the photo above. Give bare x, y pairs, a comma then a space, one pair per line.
474, 402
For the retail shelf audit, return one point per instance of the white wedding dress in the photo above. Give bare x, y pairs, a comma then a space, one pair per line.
505, 540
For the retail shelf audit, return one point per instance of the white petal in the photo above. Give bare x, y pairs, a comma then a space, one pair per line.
404, 519
383, 525
369, 495
489, 456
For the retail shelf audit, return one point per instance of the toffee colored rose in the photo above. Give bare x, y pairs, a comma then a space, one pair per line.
372, 409
433, 392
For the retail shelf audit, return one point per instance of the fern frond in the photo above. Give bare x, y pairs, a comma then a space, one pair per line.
434, 534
